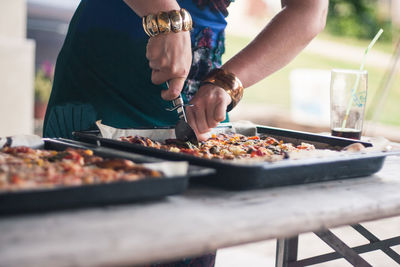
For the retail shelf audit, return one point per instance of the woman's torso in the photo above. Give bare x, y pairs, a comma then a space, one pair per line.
102, 72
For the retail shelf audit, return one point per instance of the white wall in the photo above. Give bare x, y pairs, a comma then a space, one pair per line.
13, 18
395, 12
16, 70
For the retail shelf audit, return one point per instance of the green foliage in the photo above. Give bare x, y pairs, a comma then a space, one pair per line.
357, 18
275, 90
43, 83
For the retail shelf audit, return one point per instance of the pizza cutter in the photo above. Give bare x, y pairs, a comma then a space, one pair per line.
183, 131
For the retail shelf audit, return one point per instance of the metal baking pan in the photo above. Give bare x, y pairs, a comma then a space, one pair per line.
241, 175
26, 201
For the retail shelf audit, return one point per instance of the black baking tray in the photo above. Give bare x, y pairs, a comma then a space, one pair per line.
241, 176
63, 197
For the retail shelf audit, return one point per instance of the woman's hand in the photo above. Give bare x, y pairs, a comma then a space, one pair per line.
209, 108
170, 54
170, 58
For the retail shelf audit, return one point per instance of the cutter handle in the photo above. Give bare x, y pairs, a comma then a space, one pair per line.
177, 103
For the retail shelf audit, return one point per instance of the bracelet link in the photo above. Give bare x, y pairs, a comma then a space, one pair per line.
144, 23
163, 21
152, 26
176, 20
187, 23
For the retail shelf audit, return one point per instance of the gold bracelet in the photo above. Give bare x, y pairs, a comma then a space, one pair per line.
187, 23
151, 25
145, 25
165, 22
176, 20
227, 81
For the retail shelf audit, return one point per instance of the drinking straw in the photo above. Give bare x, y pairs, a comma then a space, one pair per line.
353, 91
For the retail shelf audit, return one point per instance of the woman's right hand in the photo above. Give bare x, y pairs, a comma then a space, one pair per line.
170, 58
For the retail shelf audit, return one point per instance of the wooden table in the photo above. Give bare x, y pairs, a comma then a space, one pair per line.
202, 220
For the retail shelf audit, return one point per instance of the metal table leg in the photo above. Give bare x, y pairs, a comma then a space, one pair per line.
286, 251
374, 240
339, 246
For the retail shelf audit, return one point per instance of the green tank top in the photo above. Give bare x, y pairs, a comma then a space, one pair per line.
102, 72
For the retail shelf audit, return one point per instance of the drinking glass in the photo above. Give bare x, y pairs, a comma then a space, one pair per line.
348, 95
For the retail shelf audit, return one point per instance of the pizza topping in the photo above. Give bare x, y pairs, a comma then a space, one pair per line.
174, 149
214, 150
26, 168
230, 147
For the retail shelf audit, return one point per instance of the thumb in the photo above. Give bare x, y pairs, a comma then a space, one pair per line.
203, 136
175, 88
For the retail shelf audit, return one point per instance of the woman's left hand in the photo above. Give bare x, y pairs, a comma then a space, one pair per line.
209, 108
170, 58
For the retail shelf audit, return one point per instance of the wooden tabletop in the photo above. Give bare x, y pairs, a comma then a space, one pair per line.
202, 220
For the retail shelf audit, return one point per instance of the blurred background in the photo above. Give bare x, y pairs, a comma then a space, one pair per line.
297, 97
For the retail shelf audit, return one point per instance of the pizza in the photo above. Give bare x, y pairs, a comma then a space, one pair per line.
27, 168
227, 147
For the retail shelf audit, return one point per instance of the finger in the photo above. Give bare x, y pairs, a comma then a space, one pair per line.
191, 117
201, 120
220, 111
210, 117
172, 68
162, 65
152, 49
159, 77
203, 137
154, 66
175, 88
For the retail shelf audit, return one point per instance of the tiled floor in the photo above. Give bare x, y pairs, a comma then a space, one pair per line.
262, 254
